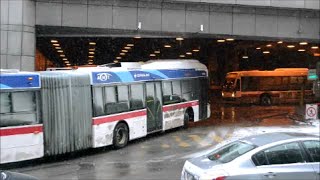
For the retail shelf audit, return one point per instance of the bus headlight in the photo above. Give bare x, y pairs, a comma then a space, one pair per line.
233, 94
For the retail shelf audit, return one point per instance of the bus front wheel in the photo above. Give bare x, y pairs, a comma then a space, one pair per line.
120, 135
265, 100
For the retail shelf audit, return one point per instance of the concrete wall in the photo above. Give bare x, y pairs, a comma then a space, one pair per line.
17, 34
217, 19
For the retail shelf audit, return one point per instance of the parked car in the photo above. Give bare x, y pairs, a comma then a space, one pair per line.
267, 156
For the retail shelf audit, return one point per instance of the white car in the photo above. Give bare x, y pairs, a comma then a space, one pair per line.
272, 156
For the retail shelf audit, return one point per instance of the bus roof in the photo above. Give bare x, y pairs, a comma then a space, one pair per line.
276, 72
15, 79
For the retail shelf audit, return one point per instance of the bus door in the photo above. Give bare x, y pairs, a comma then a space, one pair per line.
203, 97
154, 106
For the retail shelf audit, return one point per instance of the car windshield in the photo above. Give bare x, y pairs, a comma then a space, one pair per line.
231, 151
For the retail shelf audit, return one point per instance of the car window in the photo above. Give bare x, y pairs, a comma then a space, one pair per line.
313, 148
284, 154
259, 159
230, 152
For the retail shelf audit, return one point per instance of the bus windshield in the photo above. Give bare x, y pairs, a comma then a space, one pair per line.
229, 84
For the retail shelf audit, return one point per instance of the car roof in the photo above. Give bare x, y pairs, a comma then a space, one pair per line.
267, 138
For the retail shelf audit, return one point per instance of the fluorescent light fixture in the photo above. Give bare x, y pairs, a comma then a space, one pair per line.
118, 57
269, 45
266, 52
92, 43
122, 54
167, 46
195, 50
301, 50
280, 42
123, 50
115, 61
130, 45
316, 54
65, 59
56, 44
60, 51
90, 60
58, 47
66, 62
127, 47
179, 39
91, 56
54, 41
303, 43
258, 48
152, 55
314, 47
230, 39
221, 40
62, 55
245, 57
182, 56
92, 49
91, 52
137, 37
290, 46
157, 52
189, 53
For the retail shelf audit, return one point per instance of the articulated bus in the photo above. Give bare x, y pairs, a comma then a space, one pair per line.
281, 85
56, 112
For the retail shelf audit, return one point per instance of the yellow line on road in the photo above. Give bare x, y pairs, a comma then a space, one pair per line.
198, 139
181, 143
217, 138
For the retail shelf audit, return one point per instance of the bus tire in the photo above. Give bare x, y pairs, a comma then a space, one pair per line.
265, 100
120, 136
186, 120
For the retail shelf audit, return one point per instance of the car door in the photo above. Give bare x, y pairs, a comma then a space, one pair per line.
313, 151
285, 161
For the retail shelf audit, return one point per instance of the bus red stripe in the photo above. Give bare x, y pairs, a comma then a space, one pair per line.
21, 130
112, 118
179, 106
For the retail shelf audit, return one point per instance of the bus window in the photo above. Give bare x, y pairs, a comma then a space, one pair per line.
123, 99
18, 108
98, 101
189, 90
249, 83
238, 85
176, 88
137, 97
171, 92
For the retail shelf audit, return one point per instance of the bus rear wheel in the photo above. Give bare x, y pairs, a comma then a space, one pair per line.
120, 136
265, 100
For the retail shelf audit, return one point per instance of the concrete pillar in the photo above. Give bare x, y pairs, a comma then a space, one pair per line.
18, 38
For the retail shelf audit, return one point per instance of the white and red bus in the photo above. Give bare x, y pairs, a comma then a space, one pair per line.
72, 110
281, 85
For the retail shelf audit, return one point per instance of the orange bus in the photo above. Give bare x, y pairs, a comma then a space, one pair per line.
281, 85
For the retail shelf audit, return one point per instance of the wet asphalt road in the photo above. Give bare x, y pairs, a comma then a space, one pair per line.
162, 156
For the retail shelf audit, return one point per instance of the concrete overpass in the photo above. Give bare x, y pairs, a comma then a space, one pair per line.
24, 20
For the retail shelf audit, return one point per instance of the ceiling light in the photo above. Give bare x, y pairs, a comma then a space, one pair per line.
245, 57
130, 45
303, 43
91, 56
90, 63
56, 44
91, 52
65, 59
301, 50
189, 53
127, 47
92, 43
316, 54
195, 50
66, 62
137, 37
90, 60
179, 39
230, 39
290, 46
269, 45
123, 50
157, 52
280, 42
314, 47
167, 46
182, 56
258, 48
266, 52
115, 61
92, 49
60, 51
221, 40
122, 54
118, 57
152, 55
54, 41
62, 55
58, 47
